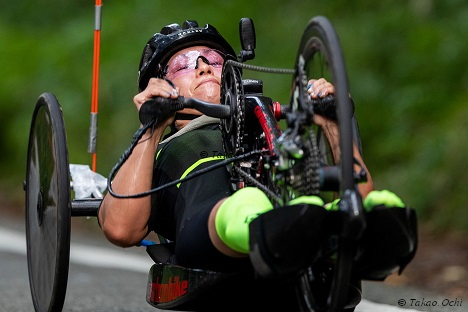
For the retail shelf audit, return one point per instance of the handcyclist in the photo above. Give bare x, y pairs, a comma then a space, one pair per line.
207, 223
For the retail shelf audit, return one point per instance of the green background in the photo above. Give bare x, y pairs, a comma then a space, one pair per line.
406, 63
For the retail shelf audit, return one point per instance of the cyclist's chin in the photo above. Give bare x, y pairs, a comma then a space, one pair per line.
208, 92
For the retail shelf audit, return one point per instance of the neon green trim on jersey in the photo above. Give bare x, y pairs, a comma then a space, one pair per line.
198, 163
159, 152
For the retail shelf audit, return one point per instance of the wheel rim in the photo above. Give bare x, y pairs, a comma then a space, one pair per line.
320, 56
48, 207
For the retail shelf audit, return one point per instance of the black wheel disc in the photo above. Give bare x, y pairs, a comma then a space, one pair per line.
48, 206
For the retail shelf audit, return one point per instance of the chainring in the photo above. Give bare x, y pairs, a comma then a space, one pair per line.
232, 94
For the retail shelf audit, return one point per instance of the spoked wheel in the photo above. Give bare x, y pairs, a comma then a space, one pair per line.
319, 56
48, 206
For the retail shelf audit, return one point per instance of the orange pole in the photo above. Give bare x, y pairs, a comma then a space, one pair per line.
95, 85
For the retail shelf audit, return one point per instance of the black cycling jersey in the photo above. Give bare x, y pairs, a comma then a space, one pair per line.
181, 212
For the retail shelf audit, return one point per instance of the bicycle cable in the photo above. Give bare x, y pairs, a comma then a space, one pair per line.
136, 137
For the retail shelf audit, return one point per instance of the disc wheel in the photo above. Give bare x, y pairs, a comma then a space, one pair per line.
232, 128
48, 206
319, 55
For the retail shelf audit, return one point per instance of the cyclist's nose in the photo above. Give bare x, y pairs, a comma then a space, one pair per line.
203, 66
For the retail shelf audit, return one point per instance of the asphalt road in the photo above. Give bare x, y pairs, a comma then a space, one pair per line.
106, 278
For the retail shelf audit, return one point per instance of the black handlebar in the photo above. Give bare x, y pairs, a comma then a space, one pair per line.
322, 106
160, 108
325, 106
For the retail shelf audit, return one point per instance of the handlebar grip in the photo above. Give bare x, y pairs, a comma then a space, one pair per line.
160, 109
322, 106
209, 109
325, 106
329, 177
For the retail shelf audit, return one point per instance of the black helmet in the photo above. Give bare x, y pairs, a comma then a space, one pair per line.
173, 38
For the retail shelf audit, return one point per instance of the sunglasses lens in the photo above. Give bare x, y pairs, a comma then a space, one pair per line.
189, 60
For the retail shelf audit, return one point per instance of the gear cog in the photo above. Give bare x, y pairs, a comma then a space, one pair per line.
232, 94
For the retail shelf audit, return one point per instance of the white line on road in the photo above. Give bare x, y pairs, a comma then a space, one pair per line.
83, 254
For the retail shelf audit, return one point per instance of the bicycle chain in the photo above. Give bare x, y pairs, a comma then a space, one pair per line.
309, 181
261, 68
272, 195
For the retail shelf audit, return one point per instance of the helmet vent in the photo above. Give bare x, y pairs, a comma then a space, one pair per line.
169, 29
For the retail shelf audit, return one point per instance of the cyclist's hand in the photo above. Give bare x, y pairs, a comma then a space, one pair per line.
156, 88
319, 88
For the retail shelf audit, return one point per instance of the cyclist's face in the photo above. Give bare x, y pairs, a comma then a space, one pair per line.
196, 71
188, 59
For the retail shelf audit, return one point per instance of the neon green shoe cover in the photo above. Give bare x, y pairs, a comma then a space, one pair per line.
235, 214
333, 206
384, 197
311, 200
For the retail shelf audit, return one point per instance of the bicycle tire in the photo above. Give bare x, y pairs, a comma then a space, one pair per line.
320, 43
48, 206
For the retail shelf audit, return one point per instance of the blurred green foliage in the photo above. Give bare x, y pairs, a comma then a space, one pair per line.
406, 64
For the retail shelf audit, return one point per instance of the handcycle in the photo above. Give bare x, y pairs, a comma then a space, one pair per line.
350, 245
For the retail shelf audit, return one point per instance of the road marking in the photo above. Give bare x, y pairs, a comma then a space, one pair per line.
13, 241
107, 258
83, 254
